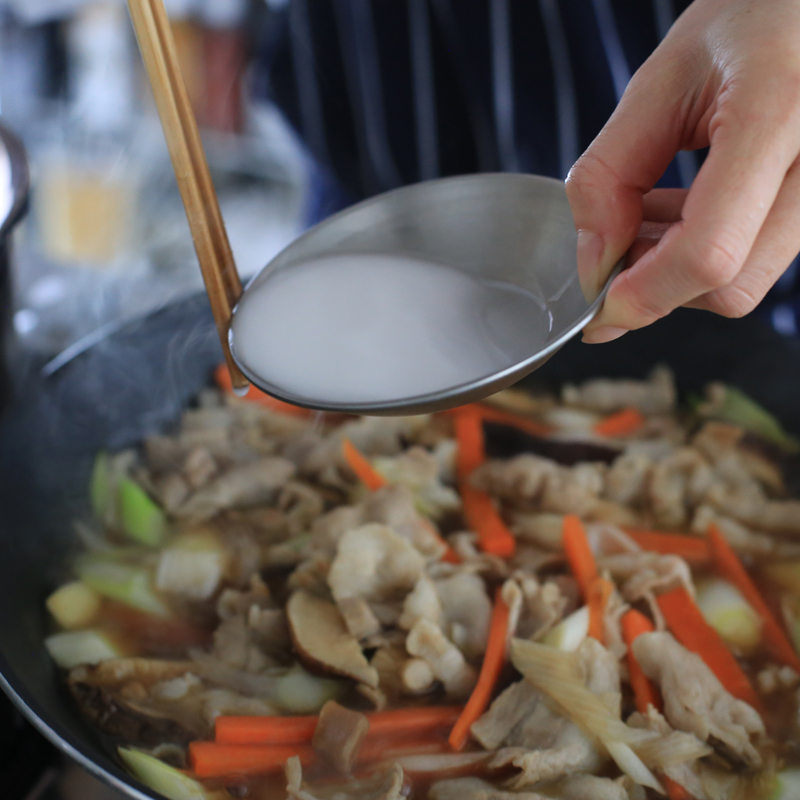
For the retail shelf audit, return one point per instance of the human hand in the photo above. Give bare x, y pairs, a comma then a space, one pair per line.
727, 76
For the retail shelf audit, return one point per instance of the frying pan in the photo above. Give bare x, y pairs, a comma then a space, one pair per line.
138, 378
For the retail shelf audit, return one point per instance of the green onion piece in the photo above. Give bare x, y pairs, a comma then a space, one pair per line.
140, 517
788, 785
125, 583
729, 404
161, 777
71, 648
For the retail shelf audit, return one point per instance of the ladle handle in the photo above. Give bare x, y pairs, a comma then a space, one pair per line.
160, 58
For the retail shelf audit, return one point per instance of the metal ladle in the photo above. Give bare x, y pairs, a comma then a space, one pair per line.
508, 229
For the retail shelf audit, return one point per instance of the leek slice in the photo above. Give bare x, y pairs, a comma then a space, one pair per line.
140, 517
788, 785
570, 632
161, 777
299, 692
729, 404
726, 610
122, 582
71, 648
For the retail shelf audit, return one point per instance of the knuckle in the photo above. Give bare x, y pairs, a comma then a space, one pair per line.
716, 262
733, 302
588, 172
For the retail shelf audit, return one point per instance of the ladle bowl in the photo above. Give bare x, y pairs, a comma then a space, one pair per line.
510, 228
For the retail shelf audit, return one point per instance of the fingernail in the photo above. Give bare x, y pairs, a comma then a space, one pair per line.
606, 333
590, 252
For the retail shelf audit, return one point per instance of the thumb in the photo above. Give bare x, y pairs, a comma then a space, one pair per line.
606, 186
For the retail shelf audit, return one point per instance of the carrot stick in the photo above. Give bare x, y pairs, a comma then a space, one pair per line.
410, 721
623, 423
493, 662
674, 790
223, 379
579, 554
693, 549
396, 723
469, 435
364, 471
265, 730
731, 568
212, 760
482, 516
644, 691
597, 598
478, 508
690, 628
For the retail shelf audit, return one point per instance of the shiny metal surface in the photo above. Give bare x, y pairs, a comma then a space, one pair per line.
503, 227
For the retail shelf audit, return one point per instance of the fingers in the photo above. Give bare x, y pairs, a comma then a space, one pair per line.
777, 245
606, 185
721, 218
664, 205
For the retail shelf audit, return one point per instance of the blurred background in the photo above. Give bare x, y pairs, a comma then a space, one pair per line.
106, 237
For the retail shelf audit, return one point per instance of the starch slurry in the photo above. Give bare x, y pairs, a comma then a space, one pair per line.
362, 328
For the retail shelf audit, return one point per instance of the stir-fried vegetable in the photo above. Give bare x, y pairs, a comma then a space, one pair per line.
634, 624
160, 777
493, 661
729, 404
728, 563
788, 785
398, 723
690, 628
570, 632
140, 517
298, 599
479, 509
579, 555
731, 616
692, 549
125, 583
363, 470
193, 565
74, 605
623, 423
71, 648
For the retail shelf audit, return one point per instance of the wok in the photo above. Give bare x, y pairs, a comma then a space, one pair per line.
138, 378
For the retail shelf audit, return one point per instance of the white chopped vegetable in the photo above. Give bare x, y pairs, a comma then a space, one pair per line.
557, 674
71, 648
162, 778
570, 632
122, 582
633, 766
299, 692
192, 566
672, 749
788, 785
726, 610
74, 605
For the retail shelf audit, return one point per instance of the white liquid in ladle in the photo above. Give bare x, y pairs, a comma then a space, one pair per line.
372, 328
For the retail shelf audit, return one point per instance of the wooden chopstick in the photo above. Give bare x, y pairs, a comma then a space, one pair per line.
160, 58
